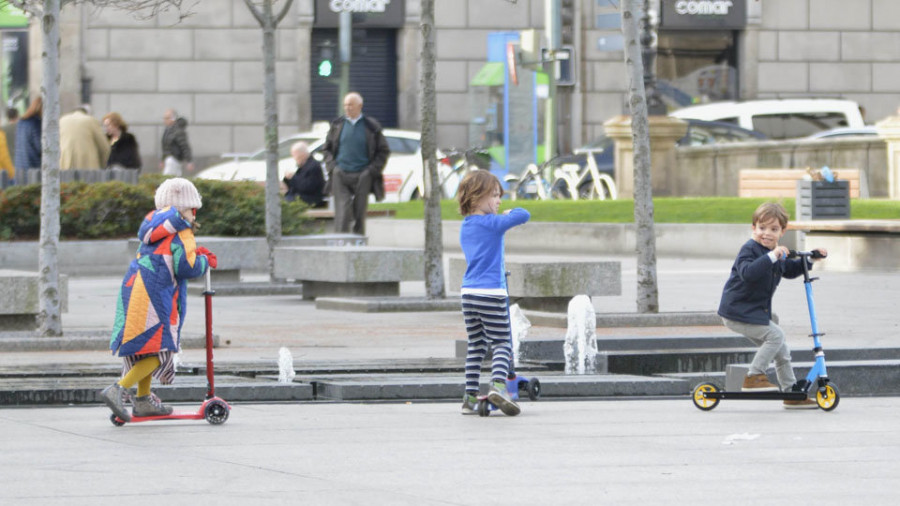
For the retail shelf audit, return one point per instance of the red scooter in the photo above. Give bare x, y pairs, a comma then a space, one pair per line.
214, 409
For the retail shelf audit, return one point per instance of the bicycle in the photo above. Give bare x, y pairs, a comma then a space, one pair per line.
584, 184
531, 184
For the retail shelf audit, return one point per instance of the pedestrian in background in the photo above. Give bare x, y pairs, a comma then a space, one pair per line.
6, 163
176, 149
28, 138
82, 143
123, 150
152, 300
308, 181
355, 155
9, 132
485, 299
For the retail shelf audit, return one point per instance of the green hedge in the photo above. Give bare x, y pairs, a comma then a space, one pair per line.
115, 210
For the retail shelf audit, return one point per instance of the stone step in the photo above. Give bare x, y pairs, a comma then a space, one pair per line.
86, 390
659, 361
450, 386
79, 340
252, 369
853, 378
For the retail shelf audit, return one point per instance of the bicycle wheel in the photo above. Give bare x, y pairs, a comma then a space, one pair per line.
526, 188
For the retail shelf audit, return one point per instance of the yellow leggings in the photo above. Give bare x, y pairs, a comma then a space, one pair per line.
141, 374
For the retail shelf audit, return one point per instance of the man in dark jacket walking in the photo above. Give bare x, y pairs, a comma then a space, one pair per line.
355, 155
176, 150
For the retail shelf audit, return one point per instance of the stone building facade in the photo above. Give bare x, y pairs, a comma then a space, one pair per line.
209, 65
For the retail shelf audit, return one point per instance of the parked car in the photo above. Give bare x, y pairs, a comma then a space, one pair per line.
780, 118
699, 133
403, 179
865, 131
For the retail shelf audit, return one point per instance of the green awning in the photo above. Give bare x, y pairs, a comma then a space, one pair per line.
11, 17
489, 75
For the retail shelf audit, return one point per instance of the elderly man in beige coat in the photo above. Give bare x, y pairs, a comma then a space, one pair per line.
82, 142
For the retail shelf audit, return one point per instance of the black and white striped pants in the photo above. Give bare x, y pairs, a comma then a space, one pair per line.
487, 325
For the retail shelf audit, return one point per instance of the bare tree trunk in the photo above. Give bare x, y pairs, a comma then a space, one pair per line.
434, 248
269, 22
647, 293
49, 321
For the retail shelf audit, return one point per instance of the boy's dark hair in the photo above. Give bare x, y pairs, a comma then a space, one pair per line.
769, 210
473, 188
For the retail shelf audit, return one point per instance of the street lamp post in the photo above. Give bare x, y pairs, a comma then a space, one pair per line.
648, 39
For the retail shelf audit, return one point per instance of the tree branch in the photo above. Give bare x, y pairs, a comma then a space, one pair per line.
284, 11
32, 8
256, 14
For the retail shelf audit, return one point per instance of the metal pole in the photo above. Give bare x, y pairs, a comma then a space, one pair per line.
551, 30
648, 39
344, 45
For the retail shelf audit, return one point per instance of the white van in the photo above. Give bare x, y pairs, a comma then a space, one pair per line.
780, 118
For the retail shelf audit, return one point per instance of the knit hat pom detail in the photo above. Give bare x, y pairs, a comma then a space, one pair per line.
179, 193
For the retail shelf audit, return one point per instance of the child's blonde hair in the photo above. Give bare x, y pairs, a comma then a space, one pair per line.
769, 210
474, 188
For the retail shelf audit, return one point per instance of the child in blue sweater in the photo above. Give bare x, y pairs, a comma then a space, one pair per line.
485, 301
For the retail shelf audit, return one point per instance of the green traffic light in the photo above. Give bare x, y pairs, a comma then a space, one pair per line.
325, 68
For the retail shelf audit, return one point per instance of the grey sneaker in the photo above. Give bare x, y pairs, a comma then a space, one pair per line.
150, 405
113, 397
499, 397
470, 404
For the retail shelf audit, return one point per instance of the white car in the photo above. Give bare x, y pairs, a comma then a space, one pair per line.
403, 174
780, 118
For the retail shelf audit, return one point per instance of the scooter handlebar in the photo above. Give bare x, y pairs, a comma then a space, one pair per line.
810, 254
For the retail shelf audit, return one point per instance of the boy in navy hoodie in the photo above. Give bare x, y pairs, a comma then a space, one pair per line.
746, 306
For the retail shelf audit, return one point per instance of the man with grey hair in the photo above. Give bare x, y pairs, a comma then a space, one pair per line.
355, 155
176, 150
308, 181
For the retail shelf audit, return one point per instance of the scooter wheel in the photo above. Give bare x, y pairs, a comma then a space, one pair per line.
828, 397
483, 408
115, 421
216, 412
701, 400
534, 389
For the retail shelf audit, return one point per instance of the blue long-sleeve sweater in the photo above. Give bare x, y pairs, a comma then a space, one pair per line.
481, 238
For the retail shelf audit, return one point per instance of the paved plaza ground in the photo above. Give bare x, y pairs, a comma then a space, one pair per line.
617, 452
622, 452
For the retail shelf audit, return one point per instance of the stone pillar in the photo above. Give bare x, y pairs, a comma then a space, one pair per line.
889, 130
664, 132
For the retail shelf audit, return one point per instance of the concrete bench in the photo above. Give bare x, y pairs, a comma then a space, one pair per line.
355, 271
549, 286
19, 299
235, 254
853, 245
777, 183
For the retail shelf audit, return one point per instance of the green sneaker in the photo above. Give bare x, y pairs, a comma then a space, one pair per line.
499, 397
470, 404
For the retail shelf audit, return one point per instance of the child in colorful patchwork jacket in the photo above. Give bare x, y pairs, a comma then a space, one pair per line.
152, 300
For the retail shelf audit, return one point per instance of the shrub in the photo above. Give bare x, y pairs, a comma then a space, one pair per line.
115, 210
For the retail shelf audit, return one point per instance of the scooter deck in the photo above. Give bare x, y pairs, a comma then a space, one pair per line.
185, 415
784, 396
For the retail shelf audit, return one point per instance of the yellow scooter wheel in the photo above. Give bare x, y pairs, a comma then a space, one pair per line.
701, 400
828, 397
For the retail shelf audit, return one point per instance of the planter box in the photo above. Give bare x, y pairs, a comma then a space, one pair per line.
821, 200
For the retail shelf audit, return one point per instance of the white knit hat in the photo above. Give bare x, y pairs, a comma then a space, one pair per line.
178, 193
